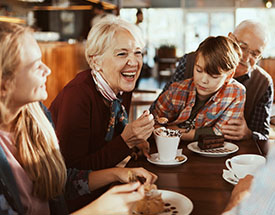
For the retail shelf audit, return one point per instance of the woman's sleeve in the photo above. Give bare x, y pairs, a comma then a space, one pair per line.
77, 183
79, 131
5, 208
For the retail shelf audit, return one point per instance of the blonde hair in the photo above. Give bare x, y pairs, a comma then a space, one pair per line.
101, 35
35, 139
219, 53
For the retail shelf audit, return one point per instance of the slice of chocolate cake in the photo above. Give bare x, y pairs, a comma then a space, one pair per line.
207, 141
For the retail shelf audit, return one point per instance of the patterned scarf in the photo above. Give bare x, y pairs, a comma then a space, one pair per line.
118, 112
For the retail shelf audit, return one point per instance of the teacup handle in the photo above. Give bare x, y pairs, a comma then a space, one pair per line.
228, 164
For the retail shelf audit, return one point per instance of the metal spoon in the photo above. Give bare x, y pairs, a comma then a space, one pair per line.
162, 121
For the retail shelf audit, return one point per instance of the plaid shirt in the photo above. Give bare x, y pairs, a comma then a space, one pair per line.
177, 102
260, 118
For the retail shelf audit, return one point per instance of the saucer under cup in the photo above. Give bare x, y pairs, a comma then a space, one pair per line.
242, 165
167, 147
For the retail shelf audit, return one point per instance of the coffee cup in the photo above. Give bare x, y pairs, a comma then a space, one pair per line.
167, 145
242, 165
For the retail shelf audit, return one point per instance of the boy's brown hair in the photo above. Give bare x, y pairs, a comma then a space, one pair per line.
219, 53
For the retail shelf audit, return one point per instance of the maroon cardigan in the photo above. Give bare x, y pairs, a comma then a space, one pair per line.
81, 118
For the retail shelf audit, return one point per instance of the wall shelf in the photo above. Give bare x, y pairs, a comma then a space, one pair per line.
12, 19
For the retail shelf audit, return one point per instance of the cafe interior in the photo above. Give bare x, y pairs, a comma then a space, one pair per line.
170, 28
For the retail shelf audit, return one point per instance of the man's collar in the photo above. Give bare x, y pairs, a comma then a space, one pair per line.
244, 77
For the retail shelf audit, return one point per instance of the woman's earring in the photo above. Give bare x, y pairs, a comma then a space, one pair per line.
97, 68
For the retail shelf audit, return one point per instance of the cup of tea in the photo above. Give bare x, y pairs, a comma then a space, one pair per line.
167, 141
242, 165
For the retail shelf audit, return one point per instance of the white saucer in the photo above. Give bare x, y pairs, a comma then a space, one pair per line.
217, 152
154, 159
229, 177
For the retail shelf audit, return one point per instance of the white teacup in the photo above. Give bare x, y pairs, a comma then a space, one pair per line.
167, 146
242, 165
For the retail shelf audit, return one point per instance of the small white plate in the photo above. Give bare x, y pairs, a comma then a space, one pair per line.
217, 152
154, 159
182, 204
229, 177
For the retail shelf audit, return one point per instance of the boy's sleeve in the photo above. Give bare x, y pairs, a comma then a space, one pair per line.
165, 104
233, 111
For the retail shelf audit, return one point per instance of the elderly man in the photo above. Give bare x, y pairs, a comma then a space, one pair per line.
252, 38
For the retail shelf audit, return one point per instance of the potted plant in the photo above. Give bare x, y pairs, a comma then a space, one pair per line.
167, 51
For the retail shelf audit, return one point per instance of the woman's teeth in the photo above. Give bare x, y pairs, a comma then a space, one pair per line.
129, 74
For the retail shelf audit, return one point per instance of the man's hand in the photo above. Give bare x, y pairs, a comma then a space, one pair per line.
236, 129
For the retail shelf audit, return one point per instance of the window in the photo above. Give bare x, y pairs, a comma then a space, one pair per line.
200, 25
186, 29
160, 26
197, 30
265, 16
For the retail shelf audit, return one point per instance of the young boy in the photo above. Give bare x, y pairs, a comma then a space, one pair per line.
204, 103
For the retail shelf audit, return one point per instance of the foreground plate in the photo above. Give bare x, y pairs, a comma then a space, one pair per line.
154, 159
177, 202
218, 152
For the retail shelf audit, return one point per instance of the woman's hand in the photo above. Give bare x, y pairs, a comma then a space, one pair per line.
103, 177
118, 200
144, 149
122, 174
139, 130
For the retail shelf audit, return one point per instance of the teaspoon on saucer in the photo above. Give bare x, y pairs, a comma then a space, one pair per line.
230, 177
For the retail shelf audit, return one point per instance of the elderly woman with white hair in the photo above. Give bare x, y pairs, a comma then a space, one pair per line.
90, 113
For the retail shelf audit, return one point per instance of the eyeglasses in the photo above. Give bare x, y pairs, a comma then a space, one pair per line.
245, 48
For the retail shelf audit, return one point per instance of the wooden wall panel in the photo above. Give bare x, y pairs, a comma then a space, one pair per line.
268, 64
65, 61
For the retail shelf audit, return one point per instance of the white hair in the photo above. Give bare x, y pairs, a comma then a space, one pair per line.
101, 35
258, 29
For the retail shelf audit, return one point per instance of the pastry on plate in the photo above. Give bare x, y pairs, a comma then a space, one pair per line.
152, 202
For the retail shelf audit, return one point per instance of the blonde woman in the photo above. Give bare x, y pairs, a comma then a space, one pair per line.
33, 176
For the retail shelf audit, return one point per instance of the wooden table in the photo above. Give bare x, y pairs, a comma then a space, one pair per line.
199, 178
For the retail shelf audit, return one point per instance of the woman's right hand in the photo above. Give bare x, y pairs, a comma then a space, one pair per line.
118, 200
122, 175
139, 130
